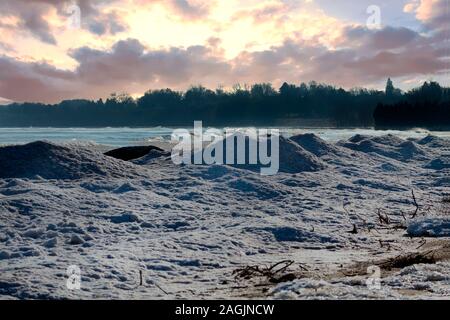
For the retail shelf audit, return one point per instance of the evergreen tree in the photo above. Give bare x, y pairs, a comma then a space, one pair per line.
389, 88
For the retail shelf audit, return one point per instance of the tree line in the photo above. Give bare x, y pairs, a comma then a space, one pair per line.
256, 105
427, 106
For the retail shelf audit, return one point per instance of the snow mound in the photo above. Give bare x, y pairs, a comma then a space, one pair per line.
127, 217
434, 142
317, 146
295, 159
440, 163
388, 146
442, 182
51, 161
429, 227
410, 150
5, 255
292, 157
358, 138
388, 139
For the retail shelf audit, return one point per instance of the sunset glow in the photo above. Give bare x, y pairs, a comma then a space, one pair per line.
136, 45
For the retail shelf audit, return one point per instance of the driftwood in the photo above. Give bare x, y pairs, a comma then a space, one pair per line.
273, 273
403, 261
384, 218
399, 262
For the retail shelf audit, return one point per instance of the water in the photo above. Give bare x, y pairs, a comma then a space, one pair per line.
135, 136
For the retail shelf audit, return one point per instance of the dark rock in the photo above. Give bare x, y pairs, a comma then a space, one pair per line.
131, 153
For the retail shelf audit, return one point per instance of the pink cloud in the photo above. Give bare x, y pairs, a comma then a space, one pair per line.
433, 13
188, 9
31, 15
371, 56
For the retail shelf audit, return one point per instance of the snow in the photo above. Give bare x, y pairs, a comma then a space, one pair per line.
295, 159
298, 235
410, 283
429, 227
315, 145
441, 163
387, 146
50, 161
187, 227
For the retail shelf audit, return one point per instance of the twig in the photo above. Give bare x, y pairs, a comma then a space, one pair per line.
364, 222
403, 215
303, 267
287, 264
156, 285
355, 229
415, 204
387, 243
383, 219
423, 242
268, 272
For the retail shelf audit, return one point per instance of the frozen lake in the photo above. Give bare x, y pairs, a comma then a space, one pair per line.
133, 136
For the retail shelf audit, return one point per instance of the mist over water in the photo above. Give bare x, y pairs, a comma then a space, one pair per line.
103, 136
119, 137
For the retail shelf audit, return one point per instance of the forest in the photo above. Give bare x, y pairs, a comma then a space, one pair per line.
426, 107
307, 104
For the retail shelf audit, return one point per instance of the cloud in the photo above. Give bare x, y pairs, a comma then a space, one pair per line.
190, 9
129, 62
370, 56
374, 57
110, 23
187, 9
24, 81
7, 48
126, 67
433, 13
32, 16
388, 38
97, 16
265, 12
290, 44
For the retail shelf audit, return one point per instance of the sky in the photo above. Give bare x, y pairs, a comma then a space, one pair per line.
52, 50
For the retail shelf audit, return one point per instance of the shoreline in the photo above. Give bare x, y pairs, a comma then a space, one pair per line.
189, 229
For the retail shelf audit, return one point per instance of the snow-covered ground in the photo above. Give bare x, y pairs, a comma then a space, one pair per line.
186, 228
